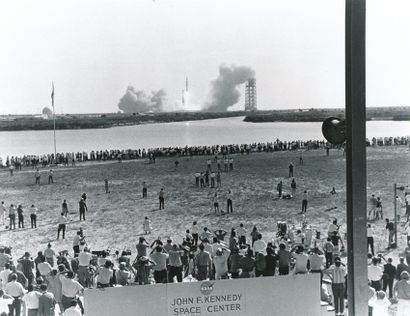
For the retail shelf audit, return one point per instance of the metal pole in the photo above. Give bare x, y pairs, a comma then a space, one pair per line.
395, 216
54, 123
356, 182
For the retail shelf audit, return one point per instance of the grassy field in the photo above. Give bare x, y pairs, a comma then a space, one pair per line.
115, 219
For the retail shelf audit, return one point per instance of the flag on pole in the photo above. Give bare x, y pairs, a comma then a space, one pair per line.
52, 96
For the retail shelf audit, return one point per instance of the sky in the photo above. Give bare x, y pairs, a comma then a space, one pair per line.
94, 49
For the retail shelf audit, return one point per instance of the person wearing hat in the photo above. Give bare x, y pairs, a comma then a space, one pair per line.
122, 275
401, 292
27, 266
337, 274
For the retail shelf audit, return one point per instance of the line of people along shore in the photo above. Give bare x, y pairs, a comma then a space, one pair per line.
59, 278
67, 159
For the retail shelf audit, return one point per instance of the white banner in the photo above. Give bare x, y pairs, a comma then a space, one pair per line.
283, 295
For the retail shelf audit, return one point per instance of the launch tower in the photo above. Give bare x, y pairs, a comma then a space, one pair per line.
250, 95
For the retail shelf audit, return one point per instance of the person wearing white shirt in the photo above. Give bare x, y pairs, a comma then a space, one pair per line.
16, 290
4, 276
44, 268
194, 232
84, 259
241, 232
5, 301
62, 221
33, 216
259, 245
301, 261
70, 289
3, 211
31, 302
220, 262
375, 273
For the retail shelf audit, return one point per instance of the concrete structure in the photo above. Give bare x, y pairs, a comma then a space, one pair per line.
250, 95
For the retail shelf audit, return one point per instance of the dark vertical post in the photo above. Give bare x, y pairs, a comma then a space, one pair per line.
356, 157
395, 216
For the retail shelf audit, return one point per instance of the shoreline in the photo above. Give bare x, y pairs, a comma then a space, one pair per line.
9, 123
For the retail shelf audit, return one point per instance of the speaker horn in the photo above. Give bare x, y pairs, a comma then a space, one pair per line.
334, 130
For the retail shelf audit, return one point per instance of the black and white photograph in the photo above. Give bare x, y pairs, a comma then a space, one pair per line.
204, 158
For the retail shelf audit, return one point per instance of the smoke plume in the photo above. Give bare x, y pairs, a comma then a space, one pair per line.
224, 89
138, 101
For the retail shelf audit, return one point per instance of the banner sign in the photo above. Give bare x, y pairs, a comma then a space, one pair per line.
282, 295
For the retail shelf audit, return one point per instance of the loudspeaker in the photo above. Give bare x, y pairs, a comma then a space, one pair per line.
334, 130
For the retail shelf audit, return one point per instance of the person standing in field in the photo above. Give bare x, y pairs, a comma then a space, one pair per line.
12, 216
300, 158
83, 208
293, 186
379, 208
20, 213
62, 221
144, 190
304, 201
195, 233
290, 170
212, 175
216, 203
218, 179
50, 176
372, 204
279, 188
64, 208
229, 202
37, 176
3, 211
161, 196
407, 202
33, 216
147, 225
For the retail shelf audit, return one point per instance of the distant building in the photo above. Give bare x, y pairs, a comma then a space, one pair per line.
250, 95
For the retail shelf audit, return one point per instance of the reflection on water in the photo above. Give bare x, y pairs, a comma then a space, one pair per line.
208, 132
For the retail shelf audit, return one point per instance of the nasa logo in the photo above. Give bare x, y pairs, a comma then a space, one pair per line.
206, 288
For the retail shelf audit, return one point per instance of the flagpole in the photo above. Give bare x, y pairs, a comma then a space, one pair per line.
54, 123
